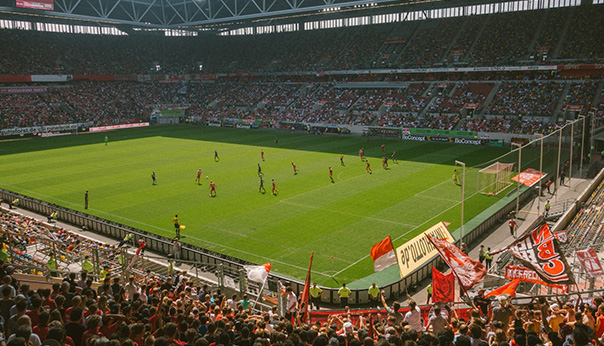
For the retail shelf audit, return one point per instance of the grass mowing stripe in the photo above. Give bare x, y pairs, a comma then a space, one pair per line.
342, 219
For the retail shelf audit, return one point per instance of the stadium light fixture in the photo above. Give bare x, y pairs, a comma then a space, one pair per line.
463, 190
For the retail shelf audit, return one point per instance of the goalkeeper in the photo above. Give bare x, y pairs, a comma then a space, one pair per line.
455, 177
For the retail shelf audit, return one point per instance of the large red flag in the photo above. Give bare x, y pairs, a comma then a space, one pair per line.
443, 286
468, 271
509, 288
306, 294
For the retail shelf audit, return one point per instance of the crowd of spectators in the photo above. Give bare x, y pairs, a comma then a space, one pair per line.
108, 103
430, 43
465, 93
526, 98
506, 39
503, 125
581, 94
550, 34
408, 44
583, 36
408, 120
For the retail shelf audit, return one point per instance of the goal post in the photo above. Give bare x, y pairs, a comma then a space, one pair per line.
495, 178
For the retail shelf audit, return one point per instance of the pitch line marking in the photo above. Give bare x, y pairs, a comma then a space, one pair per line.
402, 235
189, 236
351, 214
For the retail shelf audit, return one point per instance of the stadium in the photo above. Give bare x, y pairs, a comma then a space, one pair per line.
245, 149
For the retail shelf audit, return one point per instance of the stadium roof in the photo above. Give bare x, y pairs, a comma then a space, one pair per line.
176, 14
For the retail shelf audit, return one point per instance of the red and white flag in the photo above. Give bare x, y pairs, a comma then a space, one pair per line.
468, 271
258, 273
383, 254
590, 262
443, 286
509, 288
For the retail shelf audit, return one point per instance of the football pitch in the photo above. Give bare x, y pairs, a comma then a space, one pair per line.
342, 219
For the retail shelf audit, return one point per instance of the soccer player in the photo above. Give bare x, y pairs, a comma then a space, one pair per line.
385, 162
331, 175
275, 191
295, 168
85, 200
198, 179
216, 158
176, 225
154, 178
106, 140
262, 154
383, 149
368, 167
342, 159
362, 154
212, 189
276, 140
455, 176
394, 160
260, 171
261, 187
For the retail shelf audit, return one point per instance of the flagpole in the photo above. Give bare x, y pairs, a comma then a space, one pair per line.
259, 294
453, 270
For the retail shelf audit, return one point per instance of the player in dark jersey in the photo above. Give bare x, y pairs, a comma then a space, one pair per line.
154, 178
261, 187
394, 160
260, 171
216, 158
342, 159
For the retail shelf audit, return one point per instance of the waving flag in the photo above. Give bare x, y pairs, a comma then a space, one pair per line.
306, 294
258, 273
509, 288
540, 251
468, 271
443, 286
383, 254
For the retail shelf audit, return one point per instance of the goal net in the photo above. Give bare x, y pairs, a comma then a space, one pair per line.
495, 178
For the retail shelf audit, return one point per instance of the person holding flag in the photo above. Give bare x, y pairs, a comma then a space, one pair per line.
292, 303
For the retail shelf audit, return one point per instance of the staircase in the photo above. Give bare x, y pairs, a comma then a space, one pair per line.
488, 100
570, 18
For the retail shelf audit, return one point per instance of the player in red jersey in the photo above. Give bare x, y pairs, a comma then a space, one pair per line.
212, 189
385, 162
275, 191
383, 149
362, 154
198, 179
368, 167
295, 168
331, 175
262, 154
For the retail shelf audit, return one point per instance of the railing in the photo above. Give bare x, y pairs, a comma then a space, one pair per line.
231, 265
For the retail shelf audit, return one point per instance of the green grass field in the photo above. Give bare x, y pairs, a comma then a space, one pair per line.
342, 219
